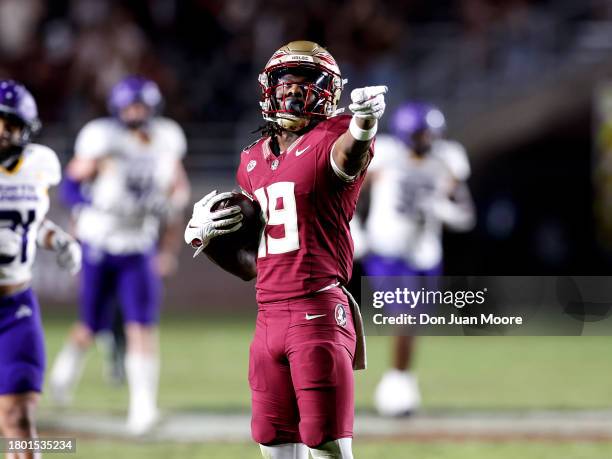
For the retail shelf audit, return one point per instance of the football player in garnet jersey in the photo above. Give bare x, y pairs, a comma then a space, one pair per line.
27, 170
305, 172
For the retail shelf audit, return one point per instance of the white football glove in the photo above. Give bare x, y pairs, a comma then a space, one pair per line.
368, 102
10, 243
206, 224
68, 251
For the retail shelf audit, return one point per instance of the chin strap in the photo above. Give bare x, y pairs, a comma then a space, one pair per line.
10, 157
285, 123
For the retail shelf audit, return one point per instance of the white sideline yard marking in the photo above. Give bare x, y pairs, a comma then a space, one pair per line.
208, 427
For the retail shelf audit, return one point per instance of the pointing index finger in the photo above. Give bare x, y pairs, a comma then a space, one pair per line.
361, 95
373, 91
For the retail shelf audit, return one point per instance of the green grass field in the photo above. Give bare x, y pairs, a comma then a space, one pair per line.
362, 450
204, 367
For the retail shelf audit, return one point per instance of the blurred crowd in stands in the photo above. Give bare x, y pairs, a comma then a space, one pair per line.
206, 53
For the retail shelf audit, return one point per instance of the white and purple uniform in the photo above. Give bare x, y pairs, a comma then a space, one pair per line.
409, 205
119, 227
24, 202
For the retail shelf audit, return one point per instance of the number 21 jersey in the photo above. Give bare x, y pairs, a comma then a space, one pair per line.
24, 202
307, 203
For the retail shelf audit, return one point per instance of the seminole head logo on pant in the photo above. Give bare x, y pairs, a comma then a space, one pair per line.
340, 315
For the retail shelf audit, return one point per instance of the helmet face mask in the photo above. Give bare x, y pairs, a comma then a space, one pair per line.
135, 115
305, 67
15, 134
299, 93
12, 130
421, 141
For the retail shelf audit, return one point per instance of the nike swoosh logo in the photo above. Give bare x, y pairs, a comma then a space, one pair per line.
314, 316
299, 152
23, 311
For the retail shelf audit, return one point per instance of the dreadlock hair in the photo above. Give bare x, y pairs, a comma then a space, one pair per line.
268, 129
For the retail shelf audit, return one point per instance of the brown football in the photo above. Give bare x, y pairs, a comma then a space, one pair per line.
246, 237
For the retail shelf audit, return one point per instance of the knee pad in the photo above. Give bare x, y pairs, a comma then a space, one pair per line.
262, 430
313, 433
335, 449
286, 451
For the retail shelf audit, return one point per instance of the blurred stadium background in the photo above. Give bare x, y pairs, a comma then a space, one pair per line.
524, 86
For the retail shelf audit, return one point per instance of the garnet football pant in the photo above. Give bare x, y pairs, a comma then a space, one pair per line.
300, 370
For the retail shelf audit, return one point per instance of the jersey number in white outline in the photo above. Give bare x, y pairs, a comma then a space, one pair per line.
15, 219
269, 198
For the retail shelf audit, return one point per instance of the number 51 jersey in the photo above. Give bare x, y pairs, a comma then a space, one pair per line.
307, 203
24, 202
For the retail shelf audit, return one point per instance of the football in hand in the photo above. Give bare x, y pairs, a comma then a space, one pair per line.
246, 237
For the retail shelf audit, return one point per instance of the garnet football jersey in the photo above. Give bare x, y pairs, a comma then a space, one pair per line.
306, 244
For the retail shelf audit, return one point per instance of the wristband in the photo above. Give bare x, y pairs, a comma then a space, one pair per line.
362, 134
46, 227
59, 237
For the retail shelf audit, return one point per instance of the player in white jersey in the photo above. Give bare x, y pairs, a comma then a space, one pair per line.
27, 171
417, 186
132, 166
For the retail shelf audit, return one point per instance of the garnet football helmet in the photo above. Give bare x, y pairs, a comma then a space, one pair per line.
320, 82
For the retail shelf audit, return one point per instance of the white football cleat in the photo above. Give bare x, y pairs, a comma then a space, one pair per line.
142, 423
65, 374
397, 394
61, 394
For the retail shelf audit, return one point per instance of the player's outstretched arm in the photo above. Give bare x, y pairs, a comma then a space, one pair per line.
350, 152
